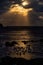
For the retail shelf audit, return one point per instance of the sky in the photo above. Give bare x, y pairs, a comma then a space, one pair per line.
10, 13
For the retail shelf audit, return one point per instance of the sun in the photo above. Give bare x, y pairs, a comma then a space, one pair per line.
25, 3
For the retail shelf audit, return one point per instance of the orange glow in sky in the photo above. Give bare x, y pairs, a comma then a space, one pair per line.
19, 9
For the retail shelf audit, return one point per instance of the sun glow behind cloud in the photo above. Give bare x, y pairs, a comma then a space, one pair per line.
16, 15
19, 9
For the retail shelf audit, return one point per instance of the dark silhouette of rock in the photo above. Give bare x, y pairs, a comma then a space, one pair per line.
25, 42
1, 25
13, 42
10, 44
7, 44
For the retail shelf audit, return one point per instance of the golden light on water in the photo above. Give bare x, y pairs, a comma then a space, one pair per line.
21, 44
19, 10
